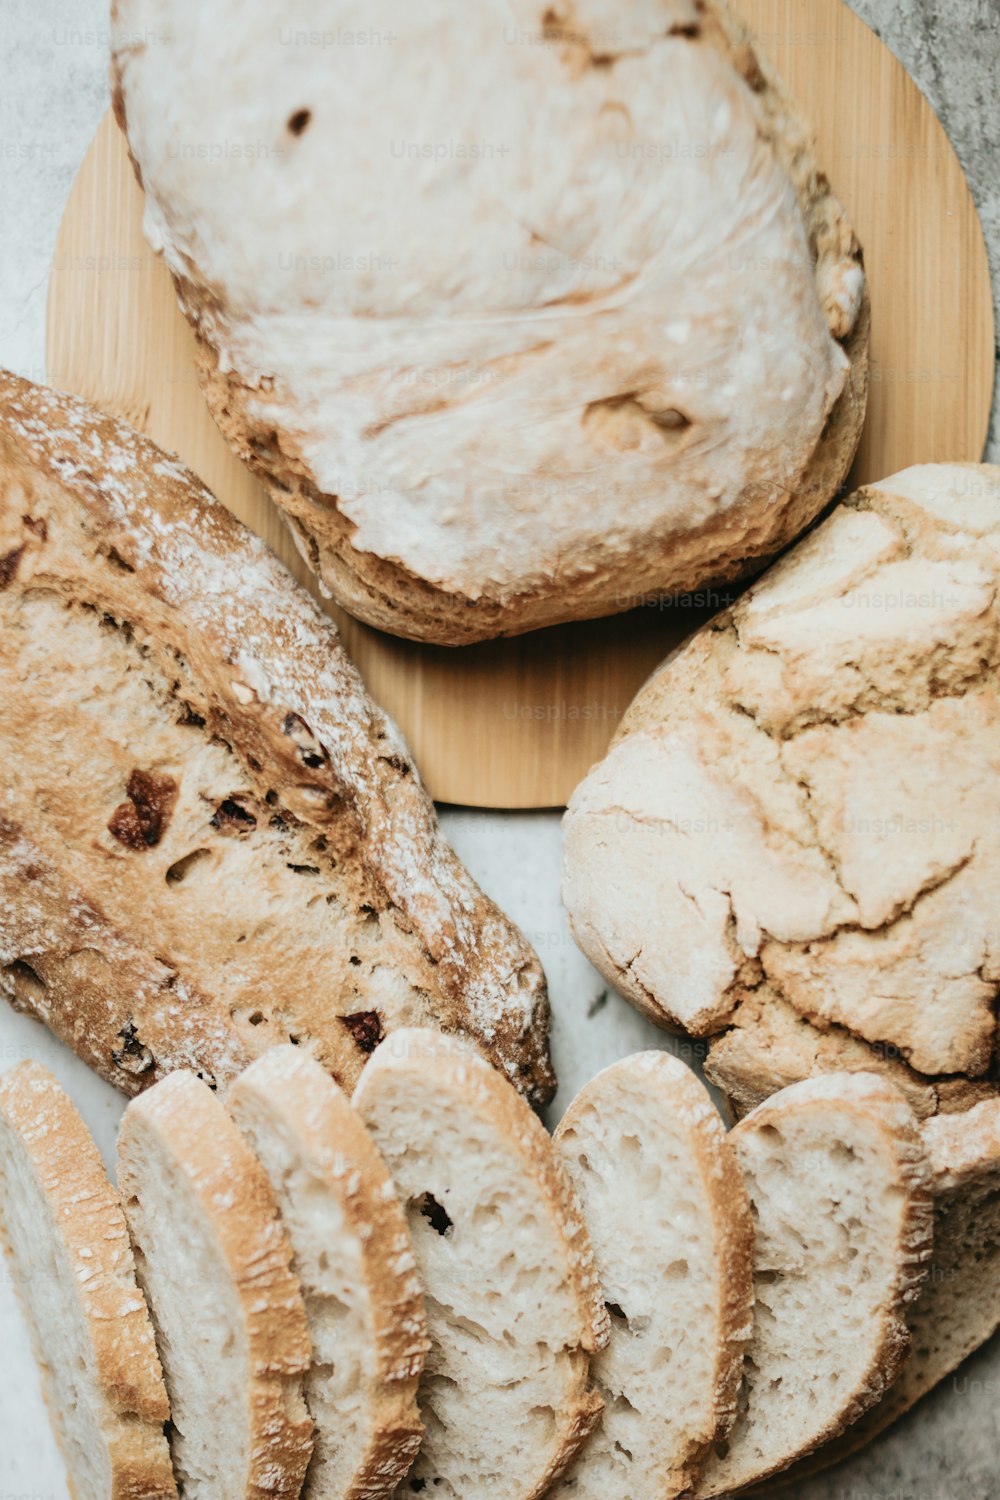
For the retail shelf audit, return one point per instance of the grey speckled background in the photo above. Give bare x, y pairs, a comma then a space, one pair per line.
53, 93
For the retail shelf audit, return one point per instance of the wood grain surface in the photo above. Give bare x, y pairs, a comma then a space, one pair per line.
517, 723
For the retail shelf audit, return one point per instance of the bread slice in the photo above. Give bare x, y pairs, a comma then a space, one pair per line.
215, 1264
840, 1193
514, 1308
668, 1216
72, 1266
351, 1252
959, 1303
472, 428
248, 855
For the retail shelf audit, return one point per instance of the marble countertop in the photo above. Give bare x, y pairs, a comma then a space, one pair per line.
54, 94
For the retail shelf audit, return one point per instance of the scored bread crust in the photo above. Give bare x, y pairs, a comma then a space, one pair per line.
268, 429
336, 1150
458, 1080
880, 1105
190, 1125
669, 1088
87, 1217
958, 1307
108, 534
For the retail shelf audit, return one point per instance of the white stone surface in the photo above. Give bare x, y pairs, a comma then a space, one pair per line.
53, 93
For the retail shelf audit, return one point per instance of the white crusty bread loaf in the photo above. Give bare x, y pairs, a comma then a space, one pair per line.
217, 841
514, 1308
839, 1190
803, 801
958, 1307
668, 1217
351, 1252
72, 1266
594, 329
215, 1264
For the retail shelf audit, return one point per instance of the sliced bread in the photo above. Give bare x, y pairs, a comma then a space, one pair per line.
839, 1189
514, 1308
216, 1266
248, 855
669, 1220
72, 1266
351, 1252
959, 1303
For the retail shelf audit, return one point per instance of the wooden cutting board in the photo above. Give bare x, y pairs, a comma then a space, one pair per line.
517, 723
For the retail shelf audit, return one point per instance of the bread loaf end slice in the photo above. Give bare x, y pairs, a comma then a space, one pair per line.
839, 1188
351, 1252
72, 1266
514, 1307
230, 1324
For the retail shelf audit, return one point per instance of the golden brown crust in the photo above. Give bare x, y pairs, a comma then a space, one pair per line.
332, 1138
88, 1219
237, 1202
728, 546
98, 522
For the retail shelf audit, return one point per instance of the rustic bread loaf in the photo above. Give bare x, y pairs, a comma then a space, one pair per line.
839, 1190
211, 840
802, 804
215, 1264
958, 1307
514, 1308
71, 1261
596, 330
351, 1252
668, 1217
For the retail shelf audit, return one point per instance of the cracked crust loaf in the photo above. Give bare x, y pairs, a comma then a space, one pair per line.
215, 1263
211, 840
598, 331
958, 1307
839, 1190
514, 1306
795, 839
72, 1265
351, 1252
669, 1220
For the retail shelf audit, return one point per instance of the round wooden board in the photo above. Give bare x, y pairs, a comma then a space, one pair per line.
517, 723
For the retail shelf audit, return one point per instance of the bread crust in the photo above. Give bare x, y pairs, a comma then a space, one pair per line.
461, 1081
769, 512
194, 1130
111, 539
882, 1106
766, 851
652, 1075
87, 1218
333, 1141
